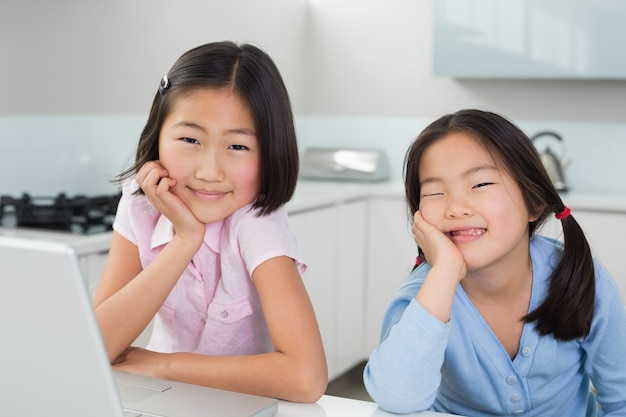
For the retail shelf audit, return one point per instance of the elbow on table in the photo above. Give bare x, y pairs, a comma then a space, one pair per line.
398, 405
393, 399
307, 385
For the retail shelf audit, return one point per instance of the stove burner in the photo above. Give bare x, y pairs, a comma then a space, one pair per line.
80, 214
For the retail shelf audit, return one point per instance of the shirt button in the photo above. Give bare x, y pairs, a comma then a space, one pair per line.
224, 313
511, 380
526, 351
515, 398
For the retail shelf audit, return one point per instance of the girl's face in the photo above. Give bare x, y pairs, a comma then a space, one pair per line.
475, 202
208, 144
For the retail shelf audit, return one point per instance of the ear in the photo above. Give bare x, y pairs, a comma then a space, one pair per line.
535, 214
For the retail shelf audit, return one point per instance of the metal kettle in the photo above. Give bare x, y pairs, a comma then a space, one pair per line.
553, 164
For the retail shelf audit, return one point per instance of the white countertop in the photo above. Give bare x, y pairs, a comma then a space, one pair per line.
329, 406
83, 244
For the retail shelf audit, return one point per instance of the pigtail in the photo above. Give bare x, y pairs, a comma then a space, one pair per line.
567, 311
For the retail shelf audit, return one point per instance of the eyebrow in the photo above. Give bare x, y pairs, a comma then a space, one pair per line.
473, 170
193, 125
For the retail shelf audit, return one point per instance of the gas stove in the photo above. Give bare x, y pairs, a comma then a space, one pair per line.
79, 214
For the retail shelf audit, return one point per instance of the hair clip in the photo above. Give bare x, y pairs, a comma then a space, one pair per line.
164, 85
563, 214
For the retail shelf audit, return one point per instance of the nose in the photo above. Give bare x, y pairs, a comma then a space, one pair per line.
458, 207
208, 167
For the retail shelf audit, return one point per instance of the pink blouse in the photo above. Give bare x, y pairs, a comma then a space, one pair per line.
214, 308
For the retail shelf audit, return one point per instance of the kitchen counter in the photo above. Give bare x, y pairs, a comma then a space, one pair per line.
83, 244
329, 406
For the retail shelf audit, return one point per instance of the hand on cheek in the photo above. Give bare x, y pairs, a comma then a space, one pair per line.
159, 189
437, 247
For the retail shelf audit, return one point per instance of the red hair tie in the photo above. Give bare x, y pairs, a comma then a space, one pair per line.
566, 212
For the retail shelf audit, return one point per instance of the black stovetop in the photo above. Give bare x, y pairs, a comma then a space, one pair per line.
78, 214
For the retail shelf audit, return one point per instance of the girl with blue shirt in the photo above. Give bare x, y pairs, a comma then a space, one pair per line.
201, 241
495, 319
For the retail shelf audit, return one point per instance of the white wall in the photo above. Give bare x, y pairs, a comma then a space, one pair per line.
108, 56
374, 58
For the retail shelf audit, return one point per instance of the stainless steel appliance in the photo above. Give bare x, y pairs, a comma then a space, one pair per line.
342, 164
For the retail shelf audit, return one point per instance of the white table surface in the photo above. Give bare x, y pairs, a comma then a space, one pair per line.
329, 406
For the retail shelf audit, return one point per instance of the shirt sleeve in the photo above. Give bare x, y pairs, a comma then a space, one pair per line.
404, 372
122, 223
264, 237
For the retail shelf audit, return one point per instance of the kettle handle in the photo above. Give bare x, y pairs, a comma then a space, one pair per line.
547, 133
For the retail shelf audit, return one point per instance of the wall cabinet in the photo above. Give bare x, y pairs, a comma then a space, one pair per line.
529, 39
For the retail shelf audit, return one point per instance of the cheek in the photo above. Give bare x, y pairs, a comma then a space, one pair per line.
430, 212
173, 169
250, 177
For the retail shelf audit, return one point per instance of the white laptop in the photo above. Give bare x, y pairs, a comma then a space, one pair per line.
53, 361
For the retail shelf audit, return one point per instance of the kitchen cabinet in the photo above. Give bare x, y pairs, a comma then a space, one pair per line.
93, 265
391, 253
332, 242
568, 39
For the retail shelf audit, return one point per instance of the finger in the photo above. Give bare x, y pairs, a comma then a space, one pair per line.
148, 169
152, 179
164, 185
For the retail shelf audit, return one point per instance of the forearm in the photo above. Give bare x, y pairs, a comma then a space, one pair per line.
438, 290
125, 314
274, 374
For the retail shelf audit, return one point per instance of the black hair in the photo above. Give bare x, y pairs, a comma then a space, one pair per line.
251, 74
567, 311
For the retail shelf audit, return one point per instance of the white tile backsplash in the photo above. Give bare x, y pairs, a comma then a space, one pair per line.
44, 155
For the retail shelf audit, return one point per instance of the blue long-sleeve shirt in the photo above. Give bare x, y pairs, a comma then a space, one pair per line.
460, 367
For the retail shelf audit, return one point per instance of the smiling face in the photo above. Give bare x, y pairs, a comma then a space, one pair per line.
470, 197
208, 144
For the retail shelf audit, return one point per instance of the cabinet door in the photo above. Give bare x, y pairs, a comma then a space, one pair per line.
332, 243
350, 285
316, 231
390, 257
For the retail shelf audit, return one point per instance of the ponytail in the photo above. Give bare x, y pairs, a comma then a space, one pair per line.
567, 311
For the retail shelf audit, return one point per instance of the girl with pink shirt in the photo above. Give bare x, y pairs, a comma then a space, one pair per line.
201, 241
